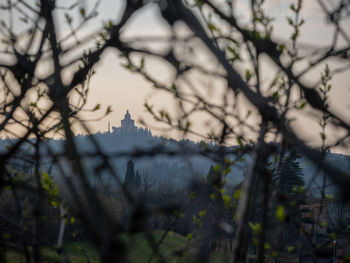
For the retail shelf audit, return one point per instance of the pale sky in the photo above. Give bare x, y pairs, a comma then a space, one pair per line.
115, 86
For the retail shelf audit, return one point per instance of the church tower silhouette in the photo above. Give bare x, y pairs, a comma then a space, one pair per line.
127, 122
128, 127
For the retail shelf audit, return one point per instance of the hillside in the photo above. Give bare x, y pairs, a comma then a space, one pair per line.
162, 169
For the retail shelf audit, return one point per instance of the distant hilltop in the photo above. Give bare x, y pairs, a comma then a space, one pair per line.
127, 126
117, 142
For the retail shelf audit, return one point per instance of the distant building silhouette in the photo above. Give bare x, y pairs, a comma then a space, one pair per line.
127, 126
127, 123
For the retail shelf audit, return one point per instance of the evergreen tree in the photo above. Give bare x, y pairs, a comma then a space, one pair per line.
211, 175
131, 181
290, 174
137, 180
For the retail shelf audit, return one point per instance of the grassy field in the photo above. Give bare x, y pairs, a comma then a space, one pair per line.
138, 247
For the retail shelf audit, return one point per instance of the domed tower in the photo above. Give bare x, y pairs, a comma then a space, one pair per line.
127, 123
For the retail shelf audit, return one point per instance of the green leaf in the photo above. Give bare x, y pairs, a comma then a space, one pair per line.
267, 246
281, 48
227, 201
280, 213
274, 254
199, 2
82, 12
69, 19
187, 126
295, 35
239, 140
216, 167
55, 204
275, 158
236, 56
302, 105
255, 227
248, 75
189, 237
292, 7
329, 197
275, 96
248, 114
212, 27
237, 194
108, 110
202, 213
323, 135
97, 107
226, 171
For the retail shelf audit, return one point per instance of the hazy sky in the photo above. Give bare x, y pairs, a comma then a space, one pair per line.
115, 86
